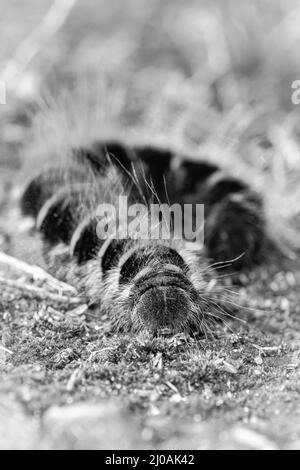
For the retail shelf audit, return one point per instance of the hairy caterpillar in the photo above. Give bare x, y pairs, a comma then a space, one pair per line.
145, 284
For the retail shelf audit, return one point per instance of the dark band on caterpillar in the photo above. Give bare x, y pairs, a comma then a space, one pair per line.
85, 243
137, 258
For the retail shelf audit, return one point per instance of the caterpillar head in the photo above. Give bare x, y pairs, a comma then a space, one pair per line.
150, 286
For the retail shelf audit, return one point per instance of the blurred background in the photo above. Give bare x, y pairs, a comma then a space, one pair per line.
214, 77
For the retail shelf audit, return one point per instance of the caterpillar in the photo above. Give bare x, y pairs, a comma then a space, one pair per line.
145, 284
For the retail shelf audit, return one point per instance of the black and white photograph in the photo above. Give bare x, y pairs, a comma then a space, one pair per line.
149, 227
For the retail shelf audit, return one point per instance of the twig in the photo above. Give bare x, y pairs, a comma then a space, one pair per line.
5, 349
266, 348
37, 273
74, 379
39, 292
172, 387
94, 353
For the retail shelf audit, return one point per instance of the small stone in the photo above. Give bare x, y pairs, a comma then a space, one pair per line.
258, 360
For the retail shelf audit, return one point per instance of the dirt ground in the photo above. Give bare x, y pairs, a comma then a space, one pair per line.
63, 383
